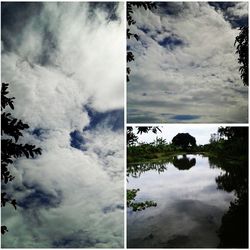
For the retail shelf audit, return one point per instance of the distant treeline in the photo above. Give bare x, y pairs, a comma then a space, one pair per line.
228, 142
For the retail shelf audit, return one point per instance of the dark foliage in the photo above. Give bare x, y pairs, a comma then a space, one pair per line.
132, 138
242, 49
233, 133
229, 152
135, 170
232, 143
137, 206
184, 163
131, 21
184, 140
11, 130
233, 232
131, 193
4, 229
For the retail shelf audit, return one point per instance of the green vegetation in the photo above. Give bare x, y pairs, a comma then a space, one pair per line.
135, 170
230, 143
159, 150
137, 206
229, 151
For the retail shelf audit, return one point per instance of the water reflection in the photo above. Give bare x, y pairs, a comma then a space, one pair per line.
205, 206
233, 232
184, 163
135, 170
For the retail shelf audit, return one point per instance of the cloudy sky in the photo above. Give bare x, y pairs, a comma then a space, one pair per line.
201, 133
65, 63
185, 67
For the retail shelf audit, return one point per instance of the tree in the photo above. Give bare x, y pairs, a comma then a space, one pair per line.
231, 133
137, 206
130, 22
132, 138
184, 140
184, 163
11, 130
131, 193
214, 138
233, 232
242, 49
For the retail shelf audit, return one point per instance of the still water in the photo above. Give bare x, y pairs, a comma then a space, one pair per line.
189, 204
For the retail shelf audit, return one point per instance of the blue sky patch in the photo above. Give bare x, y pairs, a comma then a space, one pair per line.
39, 198
38, 132
112, 119
171, 42
76, 140
185, 117
144, 29
235, 20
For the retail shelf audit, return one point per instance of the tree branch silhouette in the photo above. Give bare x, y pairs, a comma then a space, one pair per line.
131, 193
241, 42
130, 22
10, 149
132, 138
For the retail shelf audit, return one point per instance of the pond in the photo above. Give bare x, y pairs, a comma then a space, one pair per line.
192, 196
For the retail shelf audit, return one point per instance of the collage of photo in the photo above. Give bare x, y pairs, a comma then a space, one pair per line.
124, 124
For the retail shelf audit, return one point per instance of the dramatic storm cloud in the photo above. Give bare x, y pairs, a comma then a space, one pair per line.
65, 63
185, 67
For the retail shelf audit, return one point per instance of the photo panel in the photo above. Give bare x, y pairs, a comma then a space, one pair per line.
62, 124
187, 62
187, 186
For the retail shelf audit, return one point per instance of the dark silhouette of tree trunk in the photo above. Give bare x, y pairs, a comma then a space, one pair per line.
242, 49
11, 130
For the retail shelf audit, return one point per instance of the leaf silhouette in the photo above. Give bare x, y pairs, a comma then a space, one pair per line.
10, 149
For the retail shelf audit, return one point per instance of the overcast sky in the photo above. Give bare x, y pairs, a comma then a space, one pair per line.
185, 67
65, 63
200, 132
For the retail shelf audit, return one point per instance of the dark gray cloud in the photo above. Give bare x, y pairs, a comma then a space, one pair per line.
14, 17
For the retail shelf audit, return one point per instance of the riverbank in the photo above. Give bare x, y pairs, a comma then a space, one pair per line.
160, 156
167, 156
